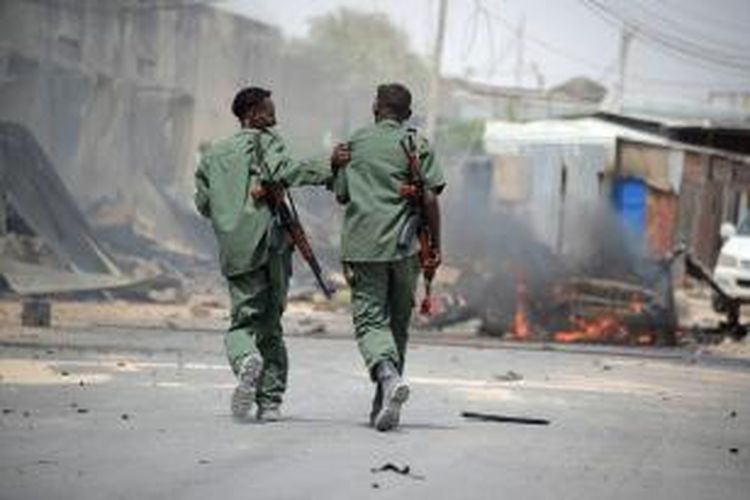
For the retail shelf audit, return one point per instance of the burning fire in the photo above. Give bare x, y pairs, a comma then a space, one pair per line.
521, 325
602, 324
603, 328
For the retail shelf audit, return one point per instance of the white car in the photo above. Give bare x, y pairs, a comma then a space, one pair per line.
732, 271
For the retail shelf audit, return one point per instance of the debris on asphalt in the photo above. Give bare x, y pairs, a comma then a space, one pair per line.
82, 410
375, 486
36, 312
81, 383
309, 326
491, 417
64, 373
734, 451
732, 414
315, 329
124, 416
204, 461
509, 376
403, 471
26, 414
8, 411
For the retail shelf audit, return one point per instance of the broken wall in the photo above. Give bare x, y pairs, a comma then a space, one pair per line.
121, 94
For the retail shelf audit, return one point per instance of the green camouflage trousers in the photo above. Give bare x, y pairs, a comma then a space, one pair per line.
258, 299
382, 302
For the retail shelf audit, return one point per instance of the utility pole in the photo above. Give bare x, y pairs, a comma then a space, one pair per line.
437, 56
520, 46
626, 37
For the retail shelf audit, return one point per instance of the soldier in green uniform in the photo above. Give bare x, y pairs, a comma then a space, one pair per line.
382, 271
255, 256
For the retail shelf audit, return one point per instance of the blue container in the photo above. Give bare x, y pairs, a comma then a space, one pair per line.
630, 199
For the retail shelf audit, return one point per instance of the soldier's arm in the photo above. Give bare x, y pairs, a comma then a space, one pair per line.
432, 172
434, 185
202, 199
291, 172
432, 215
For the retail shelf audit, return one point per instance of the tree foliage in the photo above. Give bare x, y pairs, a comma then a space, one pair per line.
365, 49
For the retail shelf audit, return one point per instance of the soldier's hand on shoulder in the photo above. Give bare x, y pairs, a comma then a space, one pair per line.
341, 155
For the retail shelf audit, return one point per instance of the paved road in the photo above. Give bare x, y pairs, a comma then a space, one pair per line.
90, 424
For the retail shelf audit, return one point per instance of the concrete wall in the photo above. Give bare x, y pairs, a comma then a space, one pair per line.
121, 94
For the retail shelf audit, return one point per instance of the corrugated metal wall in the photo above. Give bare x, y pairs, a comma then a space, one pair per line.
554, 187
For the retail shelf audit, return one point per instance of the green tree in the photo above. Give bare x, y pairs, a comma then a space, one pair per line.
364, 49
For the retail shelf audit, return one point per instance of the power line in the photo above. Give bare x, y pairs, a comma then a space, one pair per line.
547, 46
674, 44
654, 34
706, 17
604, 72
701, 38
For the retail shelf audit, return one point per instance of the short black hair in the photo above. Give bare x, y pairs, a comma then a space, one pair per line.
248, 98
396, 98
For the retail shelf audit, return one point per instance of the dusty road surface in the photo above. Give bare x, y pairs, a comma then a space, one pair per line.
101, 420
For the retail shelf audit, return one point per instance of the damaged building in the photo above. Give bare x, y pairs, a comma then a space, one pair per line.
46, 245
118, 97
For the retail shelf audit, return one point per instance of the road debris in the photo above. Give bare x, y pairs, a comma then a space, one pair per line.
403, 471
491, 417
36, 312
509, 376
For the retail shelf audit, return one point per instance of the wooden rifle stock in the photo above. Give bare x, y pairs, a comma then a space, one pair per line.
415, 191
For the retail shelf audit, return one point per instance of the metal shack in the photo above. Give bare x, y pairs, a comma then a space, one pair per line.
559, 175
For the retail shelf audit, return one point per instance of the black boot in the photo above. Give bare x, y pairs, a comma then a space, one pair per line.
395, 393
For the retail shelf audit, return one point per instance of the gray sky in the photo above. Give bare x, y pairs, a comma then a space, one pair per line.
563, 38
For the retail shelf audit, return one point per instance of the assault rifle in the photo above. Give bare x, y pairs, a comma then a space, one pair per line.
276, 197
414, 190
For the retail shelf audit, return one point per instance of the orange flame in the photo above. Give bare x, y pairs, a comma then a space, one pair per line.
521, 325
592, 330
602, 329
